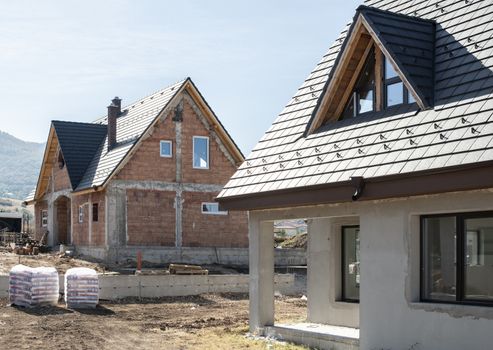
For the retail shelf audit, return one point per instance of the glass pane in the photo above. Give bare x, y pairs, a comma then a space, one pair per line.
439, 245
365, 85
200, 152
365, 101
389, 70
349, 110
351, 271
166, 148
479, 259
395, 94
410, 98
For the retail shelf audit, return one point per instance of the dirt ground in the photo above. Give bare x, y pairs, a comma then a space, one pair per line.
62, 264
208, 321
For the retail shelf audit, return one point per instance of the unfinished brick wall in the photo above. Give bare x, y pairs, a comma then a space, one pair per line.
62, 205
151, 217
147, 164
209, 230
98, 235
39, 230
80, 230
220, 168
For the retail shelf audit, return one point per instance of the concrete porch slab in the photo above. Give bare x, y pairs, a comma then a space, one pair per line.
315, 335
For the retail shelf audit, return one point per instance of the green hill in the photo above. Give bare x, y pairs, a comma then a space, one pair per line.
19, 166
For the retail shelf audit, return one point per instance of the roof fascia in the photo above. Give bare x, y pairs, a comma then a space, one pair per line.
214, 120
321, 108
51, 135
452, 179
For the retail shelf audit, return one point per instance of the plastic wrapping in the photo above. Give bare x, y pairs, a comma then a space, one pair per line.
31, 287
81, 288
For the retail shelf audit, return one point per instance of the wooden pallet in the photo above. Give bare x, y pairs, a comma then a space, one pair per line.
178, 269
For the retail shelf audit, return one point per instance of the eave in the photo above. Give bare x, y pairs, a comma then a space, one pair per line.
452, 179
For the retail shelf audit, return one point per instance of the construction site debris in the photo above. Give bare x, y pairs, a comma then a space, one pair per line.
179, 269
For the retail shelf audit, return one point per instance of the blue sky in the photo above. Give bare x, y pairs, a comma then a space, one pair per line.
66, 59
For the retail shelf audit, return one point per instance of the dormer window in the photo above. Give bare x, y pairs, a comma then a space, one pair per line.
363, 97
395, 91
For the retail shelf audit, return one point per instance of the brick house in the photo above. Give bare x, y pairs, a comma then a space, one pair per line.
143, 177
386, 150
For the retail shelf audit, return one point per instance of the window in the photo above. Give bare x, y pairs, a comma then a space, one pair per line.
44, 218
81, 214
95, 212
200, 152
395, 91
350, 263
457, 258
166, 149
212, 208
362, 99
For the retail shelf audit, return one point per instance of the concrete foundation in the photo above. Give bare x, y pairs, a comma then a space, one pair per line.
112, 287
189, 255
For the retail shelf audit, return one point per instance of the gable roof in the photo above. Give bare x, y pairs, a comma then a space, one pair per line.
78, 144
85, 145
401, 142
410, 43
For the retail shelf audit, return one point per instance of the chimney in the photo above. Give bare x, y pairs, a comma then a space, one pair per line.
114, 110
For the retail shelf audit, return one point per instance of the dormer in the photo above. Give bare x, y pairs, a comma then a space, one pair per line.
386, 60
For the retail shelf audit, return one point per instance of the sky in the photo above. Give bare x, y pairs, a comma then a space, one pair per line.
65, 60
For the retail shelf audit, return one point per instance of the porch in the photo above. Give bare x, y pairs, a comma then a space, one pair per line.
332, 284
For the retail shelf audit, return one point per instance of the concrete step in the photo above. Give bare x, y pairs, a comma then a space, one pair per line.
316, 335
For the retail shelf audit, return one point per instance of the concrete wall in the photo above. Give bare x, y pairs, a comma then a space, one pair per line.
113, 287
391, 313
201, 256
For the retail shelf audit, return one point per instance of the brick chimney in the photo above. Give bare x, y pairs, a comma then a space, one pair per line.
114, 110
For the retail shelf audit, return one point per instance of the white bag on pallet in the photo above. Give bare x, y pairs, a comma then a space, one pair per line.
33, 286
81, 288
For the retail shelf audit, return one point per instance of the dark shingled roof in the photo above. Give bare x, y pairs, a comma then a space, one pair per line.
458, 131
410, 41
78, 143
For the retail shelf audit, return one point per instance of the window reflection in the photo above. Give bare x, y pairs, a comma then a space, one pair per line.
395, 94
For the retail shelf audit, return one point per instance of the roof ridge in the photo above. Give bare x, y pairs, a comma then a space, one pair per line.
378, 10
179, 82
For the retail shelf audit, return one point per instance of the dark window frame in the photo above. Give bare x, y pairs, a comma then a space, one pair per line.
95, 210
390, 81
460, 252
343, 266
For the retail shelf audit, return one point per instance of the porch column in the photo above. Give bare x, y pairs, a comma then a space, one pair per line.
261, 257
50, 241
318, 270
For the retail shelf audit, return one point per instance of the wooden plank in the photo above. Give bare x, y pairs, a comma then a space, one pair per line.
378, 79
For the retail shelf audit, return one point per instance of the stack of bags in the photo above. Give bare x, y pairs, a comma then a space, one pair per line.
81, 288
33, 286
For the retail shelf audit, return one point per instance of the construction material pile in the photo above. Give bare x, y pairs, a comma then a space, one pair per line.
30, 286
179, 269
81, 288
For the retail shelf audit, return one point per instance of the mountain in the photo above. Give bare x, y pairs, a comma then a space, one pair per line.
19, 166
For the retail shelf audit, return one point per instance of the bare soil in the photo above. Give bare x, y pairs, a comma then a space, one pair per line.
209, 321
61, 263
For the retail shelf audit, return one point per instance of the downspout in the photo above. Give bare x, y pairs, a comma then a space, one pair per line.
359, 185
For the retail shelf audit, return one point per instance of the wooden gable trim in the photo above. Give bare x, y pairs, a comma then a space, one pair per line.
360, 28
44, 173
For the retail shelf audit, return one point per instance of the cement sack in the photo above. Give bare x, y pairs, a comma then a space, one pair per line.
31, 287
81, 288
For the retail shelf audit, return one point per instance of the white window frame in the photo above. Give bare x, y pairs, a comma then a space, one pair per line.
218, 212
170, 155
81, 214
44, 218
193, 152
